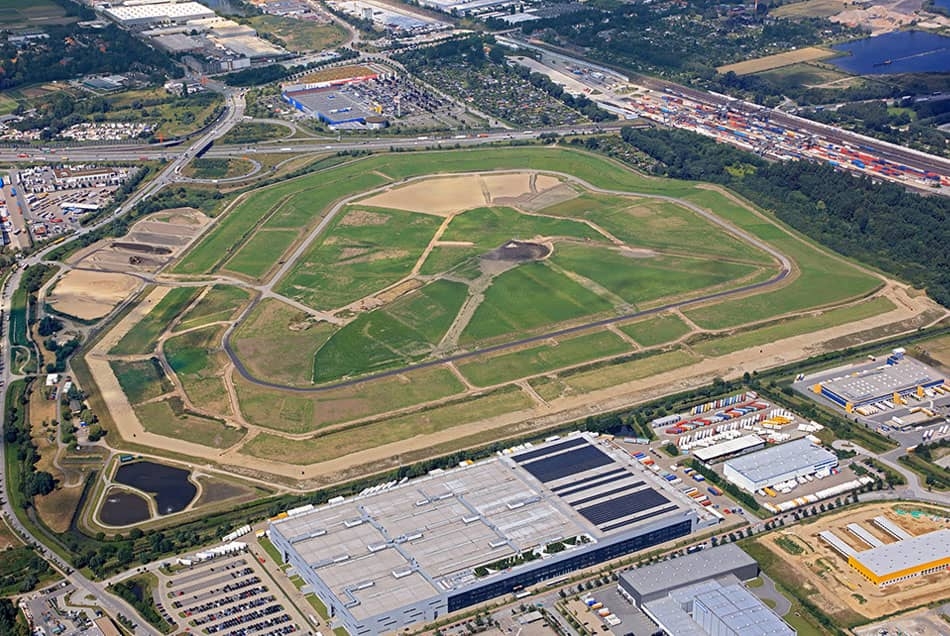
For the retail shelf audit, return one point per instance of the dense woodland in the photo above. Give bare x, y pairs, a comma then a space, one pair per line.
685, 39
882, 224
72, 51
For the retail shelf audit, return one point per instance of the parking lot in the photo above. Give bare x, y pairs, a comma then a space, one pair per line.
52, 200
228, 596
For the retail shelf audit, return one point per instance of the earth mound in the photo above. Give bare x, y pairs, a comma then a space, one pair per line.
518, 252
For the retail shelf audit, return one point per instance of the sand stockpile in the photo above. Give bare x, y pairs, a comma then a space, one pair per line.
90, 295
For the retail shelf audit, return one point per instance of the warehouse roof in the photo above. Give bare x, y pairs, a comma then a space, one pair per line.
668, 575
780, 460
728, 447
156, 12
738, 609
414, 540
881, 381
906, 554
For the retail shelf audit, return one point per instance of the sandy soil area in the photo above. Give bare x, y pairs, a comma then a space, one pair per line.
90, 295
439, 196
767, 63
825, 574
507, 185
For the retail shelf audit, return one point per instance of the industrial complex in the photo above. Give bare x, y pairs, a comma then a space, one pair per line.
417, 550
889, 563
702, 593
784, 462
898, 377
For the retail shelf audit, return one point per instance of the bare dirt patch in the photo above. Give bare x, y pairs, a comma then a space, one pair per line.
519, 252
150, 243
439, 196
90, 295
825, 575
509, 186
362, 218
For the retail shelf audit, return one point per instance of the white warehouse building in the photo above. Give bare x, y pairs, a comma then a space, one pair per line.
777, 464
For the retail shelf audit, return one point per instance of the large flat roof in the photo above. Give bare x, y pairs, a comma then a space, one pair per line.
728, 447
713, 563
780, 460
332, 103
155, 12
909, 553
427, 536
881, 381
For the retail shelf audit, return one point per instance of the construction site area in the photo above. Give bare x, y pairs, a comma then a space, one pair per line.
810, 557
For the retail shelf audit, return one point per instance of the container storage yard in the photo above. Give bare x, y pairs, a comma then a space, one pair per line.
755, 132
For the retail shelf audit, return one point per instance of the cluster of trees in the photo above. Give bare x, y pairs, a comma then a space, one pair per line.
881, 223
49, 325
137, 594
73, 51
639, 36
580, 103
8, 620
17, 434
277, 72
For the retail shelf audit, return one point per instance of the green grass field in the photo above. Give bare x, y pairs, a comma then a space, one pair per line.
824, 279
637, 369
656, 331
143, 337
349, 440
221, 302
363, 253
300, 36
489, 228
197, 359
261, 252
640, 281
530, 297
295, 413
169, 419
141, 379
498, 369
397, 334
277, 342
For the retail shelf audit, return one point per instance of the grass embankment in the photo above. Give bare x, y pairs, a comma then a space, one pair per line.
143, 336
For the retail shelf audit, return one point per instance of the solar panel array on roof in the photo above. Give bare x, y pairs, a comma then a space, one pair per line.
587, 483
622, 506
549, 450
569, 463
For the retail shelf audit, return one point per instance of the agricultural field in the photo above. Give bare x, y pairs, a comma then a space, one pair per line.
403, 304
16, 14
299, 36
769, 62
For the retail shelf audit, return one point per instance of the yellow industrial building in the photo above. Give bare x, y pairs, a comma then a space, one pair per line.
896, 562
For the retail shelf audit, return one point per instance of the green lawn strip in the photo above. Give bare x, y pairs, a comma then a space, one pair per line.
295, 413
311, 204
642, 280
197, 359
143, 336
489, 228
277, 342
141, 379
271, 550
528, 297
260, 253
362, 254
318, 605
718, 346
656, 331
221, 302
169, 419
612, 374
823, 279
400, 333
354, 439
487, 371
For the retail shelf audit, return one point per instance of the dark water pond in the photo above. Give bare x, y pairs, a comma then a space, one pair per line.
123, 508
897, 52
173, 492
